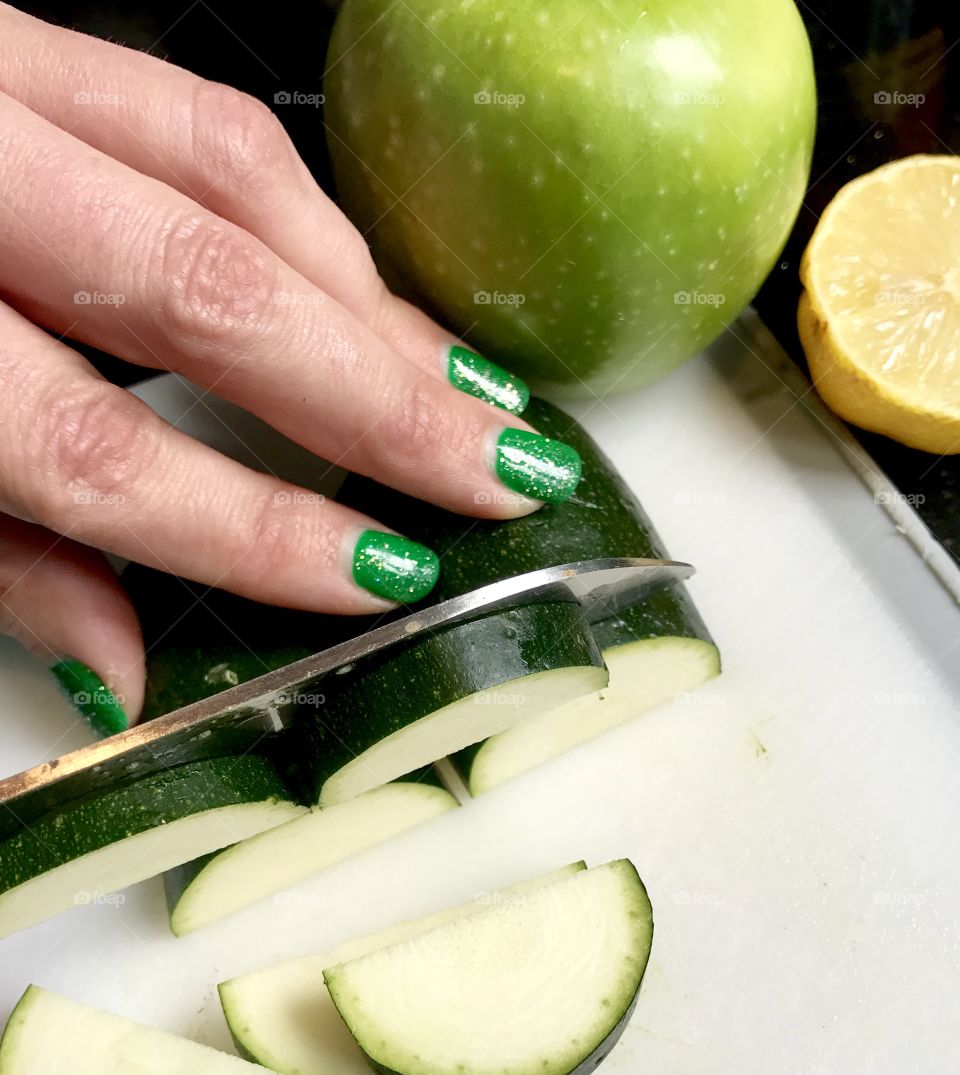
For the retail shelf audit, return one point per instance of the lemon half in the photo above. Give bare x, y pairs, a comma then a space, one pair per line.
880, 317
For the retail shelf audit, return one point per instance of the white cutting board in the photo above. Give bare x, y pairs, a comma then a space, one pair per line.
797, 822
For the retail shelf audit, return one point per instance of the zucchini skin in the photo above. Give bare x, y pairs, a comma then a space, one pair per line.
200, 641
586, 1066
99, 820
414, 680
602, 519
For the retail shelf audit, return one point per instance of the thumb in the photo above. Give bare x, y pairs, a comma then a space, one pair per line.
64, 603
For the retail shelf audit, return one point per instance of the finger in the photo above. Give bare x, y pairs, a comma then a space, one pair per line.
90, 461
65, 604
228, 152
195, 294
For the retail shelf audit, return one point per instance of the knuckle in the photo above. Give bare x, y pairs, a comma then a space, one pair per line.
215, 284
278, 536
413, 426
95, 448
240, 146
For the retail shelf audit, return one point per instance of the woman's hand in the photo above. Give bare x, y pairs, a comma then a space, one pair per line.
169, 221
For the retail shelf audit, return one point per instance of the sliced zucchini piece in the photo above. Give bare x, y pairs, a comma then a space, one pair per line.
202, 641
104, 842
643, 675
210, 888
541, 985
283, 1017
654, 650
438, 694
48, 1034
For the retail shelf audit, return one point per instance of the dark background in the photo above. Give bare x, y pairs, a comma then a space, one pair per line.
861, 48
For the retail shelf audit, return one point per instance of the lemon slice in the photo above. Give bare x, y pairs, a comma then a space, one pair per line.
880, 317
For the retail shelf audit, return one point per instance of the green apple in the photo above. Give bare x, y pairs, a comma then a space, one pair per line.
588, 190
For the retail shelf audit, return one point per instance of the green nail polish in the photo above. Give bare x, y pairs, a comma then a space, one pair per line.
394, 567
536, 466
477, 376
91, 696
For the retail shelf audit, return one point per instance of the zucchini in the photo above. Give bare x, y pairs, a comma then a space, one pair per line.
283, 1017
654, 650
48, 1034
219, 884
104, 842
201, 641
541, 985
436, 695
644, 673
391, 714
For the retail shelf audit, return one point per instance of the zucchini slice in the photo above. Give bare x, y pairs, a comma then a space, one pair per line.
48, 1034
201, 641
434, 696
654, 650
541, 985
105, 842
644, 674
212, 887
283, 1017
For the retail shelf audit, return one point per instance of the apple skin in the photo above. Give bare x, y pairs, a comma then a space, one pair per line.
615, 179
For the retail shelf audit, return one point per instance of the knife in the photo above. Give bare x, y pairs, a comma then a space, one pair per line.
242, 717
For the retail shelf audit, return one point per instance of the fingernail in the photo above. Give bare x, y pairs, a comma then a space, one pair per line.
394, 567
477, 376
536, 466
92, 698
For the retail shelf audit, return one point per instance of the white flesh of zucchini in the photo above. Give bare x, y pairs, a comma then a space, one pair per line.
134, 859
50, 1035
283, 1016
276, 859
459, 724
643, 675
541, 985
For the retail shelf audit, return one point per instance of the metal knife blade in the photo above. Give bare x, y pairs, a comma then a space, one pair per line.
240, 717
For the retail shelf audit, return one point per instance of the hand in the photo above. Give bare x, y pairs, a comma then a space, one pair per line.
169, 221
